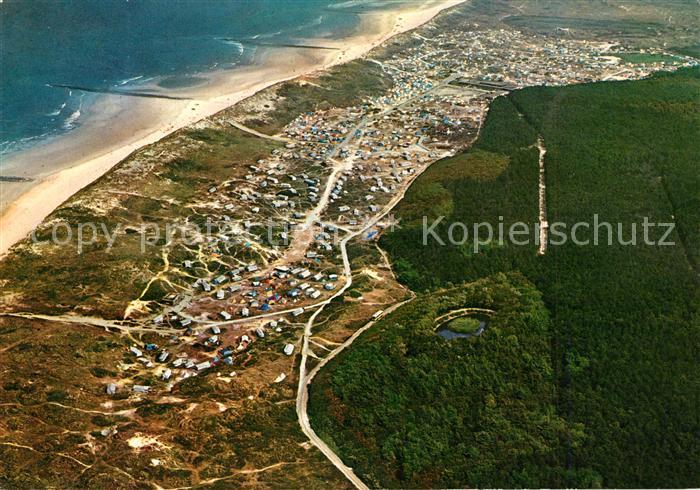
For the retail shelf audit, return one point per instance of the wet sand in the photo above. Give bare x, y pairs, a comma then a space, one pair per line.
117, 125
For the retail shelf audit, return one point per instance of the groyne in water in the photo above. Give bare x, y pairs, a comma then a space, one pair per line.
113, 91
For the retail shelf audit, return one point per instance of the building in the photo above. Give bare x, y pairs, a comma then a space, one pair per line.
203, 365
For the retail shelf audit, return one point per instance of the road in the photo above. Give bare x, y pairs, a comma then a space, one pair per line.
303, 398
304, 378
542, 192
304, 234
302, 240
354, 337
303, 391
314, 217
94, 321
248, 319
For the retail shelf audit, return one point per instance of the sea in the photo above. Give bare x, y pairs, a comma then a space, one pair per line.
127, 44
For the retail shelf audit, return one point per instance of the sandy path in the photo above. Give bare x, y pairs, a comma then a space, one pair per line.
542, 194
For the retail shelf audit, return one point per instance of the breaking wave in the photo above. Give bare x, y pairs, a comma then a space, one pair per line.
127, 80
71, 121
237, 45
57, 112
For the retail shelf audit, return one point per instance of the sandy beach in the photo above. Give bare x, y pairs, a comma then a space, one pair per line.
116, 125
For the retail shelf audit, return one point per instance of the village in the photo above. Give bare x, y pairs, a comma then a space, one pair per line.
336, 173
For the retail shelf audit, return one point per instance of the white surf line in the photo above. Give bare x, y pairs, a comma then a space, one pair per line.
543, 199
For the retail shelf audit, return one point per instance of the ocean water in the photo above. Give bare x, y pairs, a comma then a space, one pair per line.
124, 44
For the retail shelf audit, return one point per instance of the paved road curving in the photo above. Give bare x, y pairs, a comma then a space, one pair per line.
306, 378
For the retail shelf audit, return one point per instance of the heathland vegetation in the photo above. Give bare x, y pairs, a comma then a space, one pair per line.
159, 185
625, 319
340, 86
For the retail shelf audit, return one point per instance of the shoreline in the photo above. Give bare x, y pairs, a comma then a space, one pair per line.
118, 127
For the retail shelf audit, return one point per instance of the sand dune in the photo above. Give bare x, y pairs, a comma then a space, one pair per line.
117, 125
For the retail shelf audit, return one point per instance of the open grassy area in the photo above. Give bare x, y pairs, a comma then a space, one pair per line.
53, 409
341, 86
642, 23
638, 58
464, 325
548, 24
585, 377
156, 186
692, 49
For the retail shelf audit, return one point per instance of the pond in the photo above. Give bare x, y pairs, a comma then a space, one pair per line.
463, 327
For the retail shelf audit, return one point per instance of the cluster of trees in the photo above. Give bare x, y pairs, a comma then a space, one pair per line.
625, 328
407, 408
626, 317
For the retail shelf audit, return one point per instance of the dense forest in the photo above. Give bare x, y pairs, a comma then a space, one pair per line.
406, 408
625, 321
